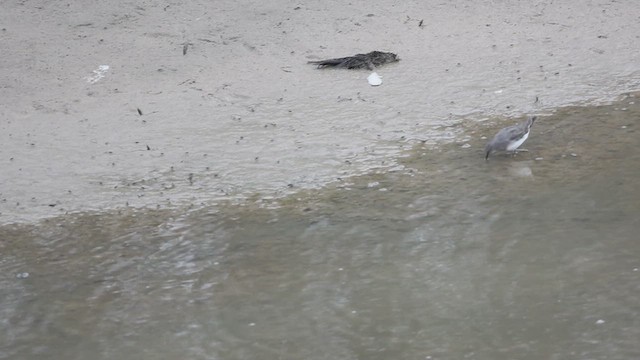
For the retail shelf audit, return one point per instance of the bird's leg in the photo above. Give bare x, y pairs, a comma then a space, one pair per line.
516, 151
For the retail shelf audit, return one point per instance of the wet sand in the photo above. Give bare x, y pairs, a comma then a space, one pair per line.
208, 101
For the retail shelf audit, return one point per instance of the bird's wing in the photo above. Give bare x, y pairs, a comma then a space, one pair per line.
512, 133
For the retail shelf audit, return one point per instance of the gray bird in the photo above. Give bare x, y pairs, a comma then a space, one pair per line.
359, 61
510, 138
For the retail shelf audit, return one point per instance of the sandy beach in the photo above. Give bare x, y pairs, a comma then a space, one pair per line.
108, 105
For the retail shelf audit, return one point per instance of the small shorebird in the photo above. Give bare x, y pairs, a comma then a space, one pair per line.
510, 138
359, 61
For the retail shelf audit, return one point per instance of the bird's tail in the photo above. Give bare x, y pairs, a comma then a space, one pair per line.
329, 62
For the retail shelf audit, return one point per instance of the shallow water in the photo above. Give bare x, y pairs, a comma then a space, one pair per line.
446, 257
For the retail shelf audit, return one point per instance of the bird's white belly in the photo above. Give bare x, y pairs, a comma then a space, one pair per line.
516, 144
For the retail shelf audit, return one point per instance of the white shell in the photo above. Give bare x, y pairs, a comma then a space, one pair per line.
374, 79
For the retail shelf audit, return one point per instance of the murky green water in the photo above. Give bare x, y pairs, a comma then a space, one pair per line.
450, 258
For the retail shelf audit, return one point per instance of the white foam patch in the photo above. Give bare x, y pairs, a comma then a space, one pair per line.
98, 74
